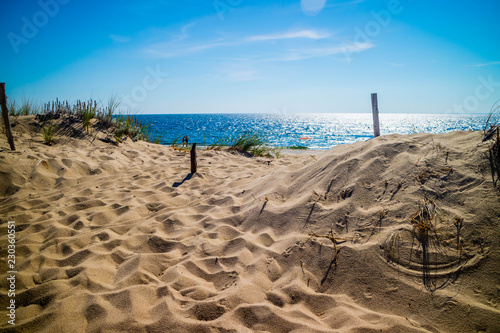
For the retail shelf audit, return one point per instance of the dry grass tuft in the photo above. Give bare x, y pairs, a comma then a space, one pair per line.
428, 247
423, 219
492, 130
427, 174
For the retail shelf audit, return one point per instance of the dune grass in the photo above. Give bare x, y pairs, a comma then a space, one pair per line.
87, 113
130, 126
48, 134
247, 141
27, 108
94, 116
298, 147
219, 144
112, 107
253, 144
492, 131
493, 117
12, 108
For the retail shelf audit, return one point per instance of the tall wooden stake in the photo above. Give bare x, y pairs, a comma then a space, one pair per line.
5, 116
194, 164
376, 126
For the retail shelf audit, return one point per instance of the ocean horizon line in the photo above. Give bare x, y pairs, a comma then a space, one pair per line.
305, 113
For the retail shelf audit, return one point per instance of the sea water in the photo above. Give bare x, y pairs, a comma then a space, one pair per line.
314, 131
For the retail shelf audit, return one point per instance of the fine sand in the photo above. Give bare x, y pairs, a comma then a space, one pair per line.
121, 238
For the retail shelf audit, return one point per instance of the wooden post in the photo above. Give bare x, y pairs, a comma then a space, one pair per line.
5, 116
376, 126
194, 164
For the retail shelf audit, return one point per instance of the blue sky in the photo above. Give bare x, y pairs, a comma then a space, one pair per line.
232, 56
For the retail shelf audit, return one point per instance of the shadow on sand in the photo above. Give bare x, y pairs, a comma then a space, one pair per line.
188, 177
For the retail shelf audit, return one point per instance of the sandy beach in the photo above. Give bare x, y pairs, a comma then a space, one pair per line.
124, 239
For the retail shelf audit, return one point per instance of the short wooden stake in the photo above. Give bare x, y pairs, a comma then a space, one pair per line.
376, 126
194, 164
5, 116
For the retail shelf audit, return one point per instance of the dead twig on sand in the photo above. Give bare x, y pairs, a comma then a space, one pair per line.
458, 224
381, 216
336, 250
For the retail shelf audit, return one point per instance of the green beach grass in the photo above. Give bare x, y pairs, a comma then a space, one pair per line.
253, 144
94, 116
297, 147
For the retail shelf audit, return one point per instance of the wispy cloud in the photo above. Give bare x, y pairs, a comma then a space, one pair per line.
301, 54
236, 71
183, 49
119, 38
158, 49
178, 47
491, 63
308, 34
202, 47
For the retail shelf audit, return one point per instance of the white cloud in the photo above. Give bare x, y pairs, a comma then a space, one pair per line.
309, 34
295, 55
179, 48
292, 55
157, 49
202, 47
491, 63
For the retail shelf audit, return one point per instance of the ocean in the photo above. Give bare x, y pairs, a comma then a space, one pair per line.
284, 130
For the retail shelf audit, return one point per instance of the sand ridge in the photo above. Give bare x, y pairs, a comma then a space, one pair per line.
123, 239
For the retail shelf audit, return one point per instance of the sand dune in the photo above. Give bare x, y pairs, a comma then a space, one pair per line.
114, 239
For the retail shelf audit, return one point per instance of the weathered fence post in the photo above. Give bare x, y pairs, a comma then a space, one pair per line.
376, 126
194, 164
5, 116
